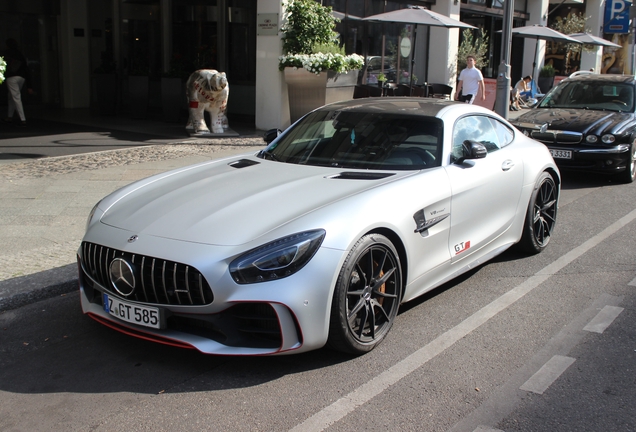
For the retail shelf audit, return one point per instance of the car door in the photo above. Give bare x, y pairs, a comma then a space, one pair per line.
485, 192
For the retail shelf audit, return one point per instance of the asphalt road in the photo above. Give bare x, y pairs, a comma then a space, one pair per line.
541, 343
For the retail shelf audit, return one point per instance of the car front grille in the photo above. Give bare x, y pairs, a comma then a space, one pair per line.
157, 280
558, 137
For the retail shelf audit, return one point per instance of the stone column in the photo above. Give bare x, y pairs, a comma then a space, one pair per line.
592, 59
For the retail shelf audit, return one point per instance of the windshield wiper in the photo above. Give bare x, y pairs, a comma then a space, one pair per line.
267, 154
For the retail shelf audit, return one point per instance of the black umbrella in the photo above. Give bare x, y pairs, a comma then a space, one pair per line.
541, 32
588, 39
417, 15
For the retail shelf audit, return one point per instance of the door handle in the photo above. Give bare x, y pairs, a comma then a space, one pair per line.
507, 164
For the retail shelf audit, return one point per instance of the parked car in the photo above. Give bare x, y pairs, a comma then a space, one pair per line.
588, 123
319, 237
374, 68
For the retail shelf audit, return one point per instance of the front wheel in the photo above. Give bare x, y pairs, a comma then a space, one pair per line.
366, 297
629, 175
541, 215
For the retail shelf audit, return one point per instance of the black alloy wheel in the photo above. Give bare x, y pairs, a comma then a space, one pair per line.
541, 215
367, 296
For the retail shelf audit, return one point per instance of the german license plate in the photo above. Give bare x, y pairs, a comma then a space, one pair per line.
561, 154
133, 313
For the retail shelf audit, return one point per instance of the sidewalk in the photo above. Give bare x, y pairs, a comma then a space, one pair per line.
44, 202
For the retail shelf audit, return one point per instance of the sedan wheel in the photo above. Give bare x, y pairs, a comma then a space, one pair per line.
367, 296
541, 215
629, 175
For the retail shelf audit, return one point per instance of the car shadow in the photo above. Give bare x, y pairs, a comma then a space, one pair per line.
51, 347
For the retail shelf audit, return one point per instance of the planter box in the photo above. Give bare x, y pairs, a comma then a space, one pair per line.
545, 84
308, 91
173, 99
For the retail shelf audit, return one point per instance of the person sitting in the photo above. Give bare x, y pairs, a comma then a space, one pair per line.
523, 88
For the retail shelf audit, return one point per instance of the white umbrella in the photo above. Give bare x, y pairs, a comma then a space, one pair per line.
417, 15
589, 39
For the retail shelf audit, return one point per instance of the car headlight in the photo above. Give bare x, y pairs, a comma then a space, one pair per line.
526, 133
91, 216
591, 139
278, 259
608, 138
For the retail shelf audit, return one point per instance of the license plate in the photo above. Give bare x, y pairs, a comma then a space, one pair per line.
133, 313
561, 154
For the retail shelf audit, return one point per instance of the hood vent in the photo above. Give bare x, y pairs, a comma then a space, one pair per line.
361, 175
242, 163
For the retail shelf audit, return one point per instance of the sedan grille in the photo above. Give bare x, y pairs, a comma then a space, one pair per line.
156, 280
558, 137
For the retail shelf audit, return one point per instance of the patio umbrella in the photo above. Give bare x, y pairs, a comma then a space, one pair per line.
341, 16
541, 32
417, 15
589, 39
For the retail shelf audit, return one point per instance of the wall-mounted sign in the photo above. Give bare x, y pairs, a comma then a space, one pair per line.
267, 24
616, 16
405, 47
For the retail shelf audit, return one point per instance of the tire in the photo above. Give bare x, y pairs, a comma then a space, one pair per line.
541, 215
629, 175
367, 296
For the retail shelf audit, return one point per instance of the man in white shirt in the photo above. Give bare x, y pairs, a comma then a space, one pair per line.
471, 83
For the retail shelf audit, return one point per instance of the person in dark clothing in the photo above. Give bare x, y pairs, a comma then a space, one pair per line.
16, 76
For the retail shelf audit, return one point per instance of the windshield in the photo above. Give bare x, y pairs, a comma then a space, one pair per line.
591, 95
360, 140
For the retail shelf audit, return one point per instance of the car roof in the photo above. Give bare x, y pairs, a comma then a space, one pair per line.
418, 106
602, 78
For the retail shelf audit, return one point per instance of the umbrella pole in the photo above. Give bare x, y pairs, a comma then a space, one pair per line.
534, 64
413, 61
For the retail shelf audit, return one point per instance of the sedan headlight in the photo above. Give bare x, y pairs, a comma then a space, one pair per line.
278, 259
608, 138
592, 139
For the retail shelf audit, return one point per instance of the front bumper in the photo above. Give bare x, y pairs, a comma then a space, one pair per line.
277, 317
607, 160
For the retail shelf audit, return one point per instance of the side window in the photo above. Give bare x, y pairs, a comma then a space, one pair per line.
504, 133
477, 128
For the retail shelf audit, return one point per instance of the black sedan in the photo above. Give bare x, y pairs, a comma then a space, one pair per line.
588, 123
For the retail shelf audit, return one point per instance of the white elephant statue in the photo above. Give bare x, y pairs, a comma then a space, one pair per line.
207, 90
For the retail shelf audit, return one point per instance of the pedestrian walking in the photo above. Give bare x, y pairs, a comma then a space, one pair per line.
471, 83
16, 76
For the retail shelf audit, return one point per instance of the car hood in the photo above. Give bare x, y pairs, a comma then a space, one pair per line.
576, 120
220, 204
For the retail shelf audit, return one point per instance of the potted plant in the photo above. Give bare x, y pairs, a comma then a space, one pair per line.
3, 67
381, 80
546, 78
316, 69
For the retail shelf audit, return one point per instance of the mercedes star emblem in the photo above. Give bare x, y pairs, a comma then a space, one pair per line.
122, 277
131, 239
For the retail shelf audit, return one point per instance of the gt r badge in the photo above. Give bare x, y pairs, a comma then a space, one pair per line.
461, 247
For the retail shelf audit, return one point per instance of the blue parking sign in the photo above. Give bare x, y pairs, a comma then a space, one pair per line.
616, 16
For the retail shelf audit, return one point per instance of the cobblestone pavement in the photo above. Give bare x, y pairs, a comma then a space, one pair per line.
44, 203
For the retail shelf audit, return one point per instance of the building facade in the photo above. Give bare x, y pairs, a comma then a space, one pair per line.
70, 42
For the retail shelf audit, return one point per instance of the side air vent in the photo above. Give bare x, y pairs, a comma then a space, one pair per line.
360, 176
242, 163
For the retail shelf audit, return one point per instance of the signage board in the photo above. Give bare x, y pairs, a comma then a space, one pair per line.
267, 24
616, 16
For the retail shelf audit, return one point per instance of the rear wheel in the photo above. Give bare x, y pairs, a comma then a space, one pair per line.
541, 215
367, 296
629, 175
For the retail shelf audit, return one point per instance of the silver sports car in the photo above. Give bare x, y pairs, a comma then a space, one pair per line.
319, 237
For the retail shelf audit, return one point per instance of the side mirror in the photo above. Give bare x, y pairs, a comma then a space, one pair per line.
271, 135
472, 150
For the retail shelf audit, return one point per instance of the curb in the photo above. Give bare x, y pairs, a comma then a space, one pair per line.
25, 290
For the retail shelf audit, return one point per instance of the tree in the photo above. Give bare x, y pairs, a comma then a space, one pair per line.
573, 23
476, 47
